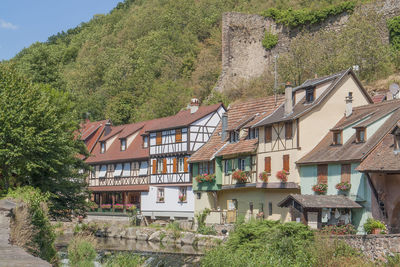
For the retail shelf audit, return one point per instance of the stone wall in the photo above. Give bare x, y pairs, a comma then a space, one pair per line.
244, 57
374, 246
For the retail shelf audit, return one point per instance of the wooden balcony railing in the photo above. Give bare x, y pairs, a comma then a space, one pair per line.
118, 181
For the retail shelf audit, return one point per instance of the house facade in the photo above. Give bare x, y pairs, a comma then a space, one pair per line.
335, 161
263, 143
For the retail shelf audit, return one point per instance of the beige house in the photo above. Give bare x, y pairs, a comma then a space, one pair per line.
267, 142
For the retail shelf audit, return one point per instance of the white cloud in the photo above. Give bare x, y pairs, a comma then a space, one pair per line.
7, 25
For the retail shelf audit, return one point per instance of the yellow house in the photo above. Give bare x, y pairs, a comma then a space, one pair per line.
256, 141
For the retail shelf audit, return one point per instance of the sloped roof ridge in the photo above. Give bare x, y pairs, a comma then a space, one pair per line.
367, 106
316, 81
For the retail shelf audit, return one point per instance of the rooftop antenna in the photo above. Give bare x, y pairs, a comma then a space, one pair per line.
276, 77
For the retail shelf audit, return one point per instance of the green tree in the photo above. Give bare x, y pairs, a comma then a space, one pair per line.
37, 142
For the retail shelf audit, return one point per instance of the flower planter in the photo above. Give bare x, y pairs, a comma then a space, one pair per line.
282, 176
376, 231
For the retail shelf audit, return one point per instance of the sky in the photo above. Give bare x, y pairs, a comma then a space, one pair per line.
24, 22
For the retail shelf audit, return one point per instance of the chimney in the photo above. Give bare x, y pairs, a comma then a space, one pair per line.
224, 126
107, 128
194, 105
349, 104
288, 99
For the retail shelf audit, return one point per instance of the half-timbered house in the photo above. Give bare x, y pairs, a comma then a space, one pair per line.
171, 141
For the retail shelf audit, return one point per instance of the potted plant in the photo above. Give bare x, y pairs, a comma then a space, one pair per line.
202, 178
263, 177
374, 227
343, 186
105, 207
282, 175
320, 188
182, 198
240, 176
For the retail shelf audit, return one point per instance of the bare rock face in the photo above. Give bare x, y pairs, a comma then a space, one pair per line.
188, 238
156, 236
130, 233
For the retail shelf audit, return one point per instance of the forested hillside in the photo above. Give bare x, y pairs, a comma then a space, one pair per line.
146, 59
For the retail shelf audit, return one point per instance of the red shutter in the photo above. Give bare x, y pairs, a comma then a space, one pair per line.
164, 165
346, 173
159, 138
185, 168
178, 135
154, 166
286, 162
175, 168
267, 167
322, 171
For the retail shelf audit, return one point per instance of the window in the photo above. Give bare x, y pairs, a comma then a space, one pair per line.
360, 135
126, 170
143, 168
160, 195
228, 166
345, 173
253, 133
178, 136
103, 171
160, 165
198, 195
118, 170
322, 172
183, 194
286, 162
268, 134
123, 144
203, 168
270, 208
102, 147
337, 137
267, 164
310, 95
145, 141
93, 172
241, 164
234, 136
288, 130
159, 138
181, 164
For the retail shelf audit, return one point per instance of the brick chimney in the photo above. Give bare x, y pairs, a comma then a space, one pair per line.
194, 105
288, 99
349, 104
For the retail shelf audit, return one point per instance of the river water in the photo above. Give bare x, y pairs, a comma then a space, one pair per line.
157, 254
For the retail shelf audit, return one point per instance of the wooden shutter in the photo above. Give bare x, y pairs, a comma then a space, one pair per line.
178, 135
185, 167
268, 134
154, 166
288, 130
267, 166
175, 168
346, 173
322, 171
159, 138
164, 165
286, 162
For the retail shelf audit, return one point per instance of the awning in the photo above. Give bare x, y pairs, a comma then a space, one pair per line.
320, 201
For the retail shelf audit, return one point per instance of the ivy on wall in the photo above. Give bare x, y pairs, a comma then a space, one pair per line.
270, 40
393, 25
305, 16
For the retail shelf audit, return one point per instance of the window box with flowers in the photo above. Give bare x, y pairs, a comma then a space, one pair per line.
105, 207
343, 186
118, 207
240, 176
203, 178
320, 188
182, 198
263, 177
282, 175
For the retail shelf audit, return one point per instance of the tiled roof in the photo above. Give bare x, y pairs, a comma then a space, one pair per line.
91, 131
320, 201
181, 119
379, 98
302, 107
382, 158
243, 146
352, 151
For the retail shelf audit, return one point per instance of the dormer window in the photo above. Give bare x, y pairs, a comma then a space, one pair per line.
102, 147
253, 133
310, 95
123, 144
234, 136
145, 141
361, 135
337, 138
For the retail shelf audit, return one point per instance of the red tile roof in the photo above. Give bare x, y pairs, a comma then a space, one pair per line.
378, 98
243, 146
91, 131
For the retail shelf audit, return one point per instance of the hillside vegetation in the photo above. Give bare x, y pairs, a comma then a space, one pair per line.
146, 59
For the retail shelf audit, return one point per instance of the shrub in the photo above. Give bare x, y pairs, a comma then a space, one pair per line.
270, 40
343, 186
124, 259
372, 224
263, 177
320, 188
173, 226
201, 222
393, 25
347, 229
81, 251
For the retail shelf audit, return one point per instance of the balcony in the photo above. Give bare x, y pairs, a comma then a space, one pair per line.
110, 180
250, 178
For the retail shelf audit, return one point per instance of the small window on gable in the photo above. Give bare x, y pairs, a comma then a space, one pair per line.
361, 135
337, 138
145, 141
310, 95
102, 147
123, 144
234, 136
253, 133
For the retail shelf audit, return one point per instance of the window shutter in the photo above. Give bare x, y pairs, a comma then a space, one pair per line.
346, 173
268, 134
288, 130
154, 166
175, 168
267, 167
185, 168
322, 171
164, 165
286, 162
159, 138
178, 135
247, 164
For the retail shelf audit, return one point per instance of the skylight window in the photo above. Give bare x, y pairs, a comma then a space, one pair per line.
123, 144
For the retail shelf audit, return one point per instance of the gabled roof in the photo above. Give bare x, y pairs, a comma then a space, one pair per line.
320, 201
91, 131
240, 115
181, 119
351, 151
302, 108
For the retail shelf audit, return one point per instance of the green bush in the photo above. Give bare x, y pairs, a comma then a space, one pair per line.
81, 251
295, 18
393, 25
124, 259
372, 224
270, 40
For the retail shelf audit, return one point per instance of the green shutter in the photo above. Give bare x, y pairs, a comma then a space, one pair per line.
229, 165
195, 169
247, 164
